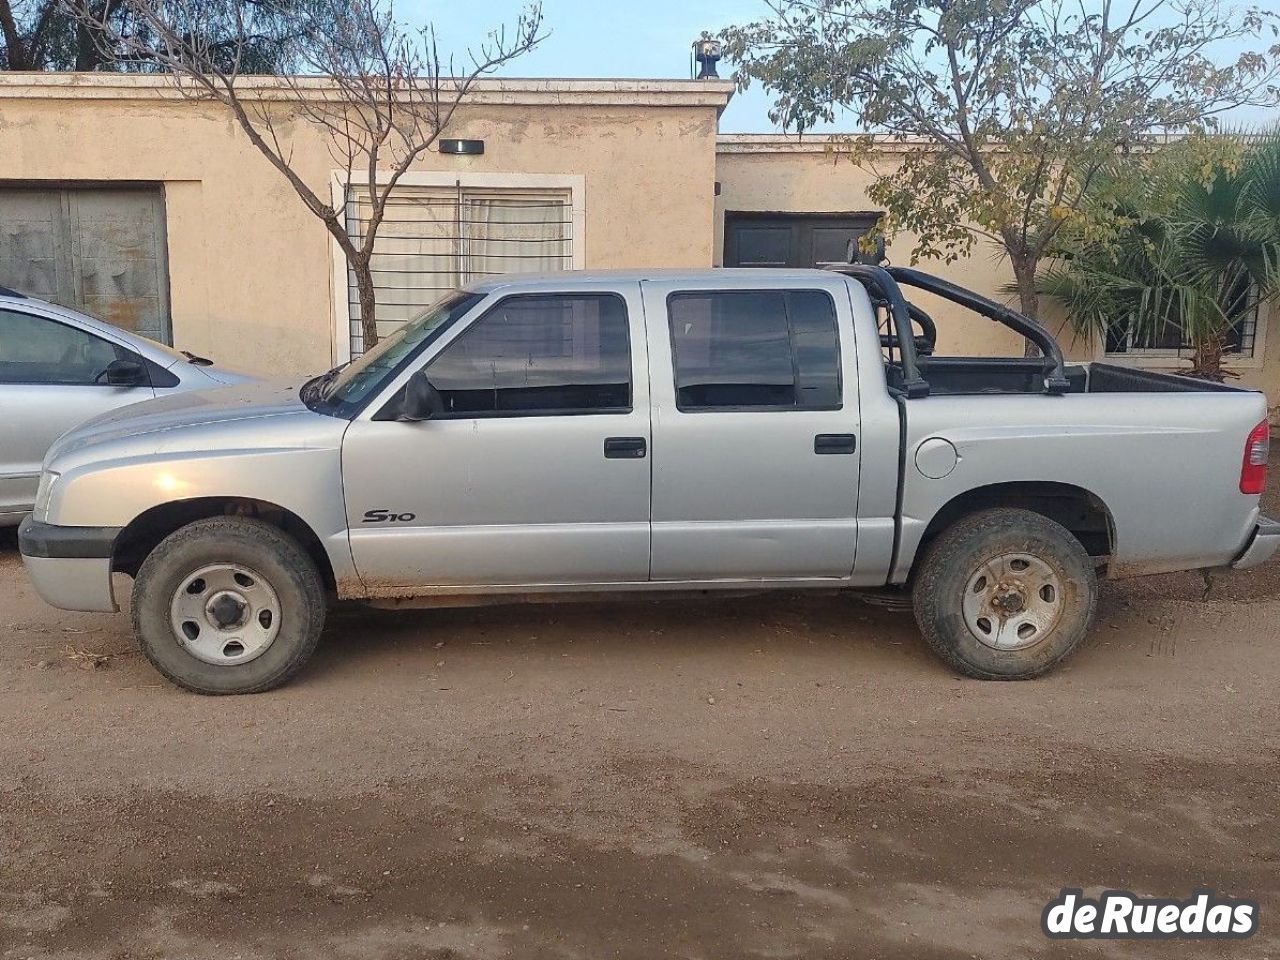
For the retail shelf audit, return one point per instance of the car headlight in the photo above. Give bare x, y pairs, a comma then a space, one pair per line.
47, 480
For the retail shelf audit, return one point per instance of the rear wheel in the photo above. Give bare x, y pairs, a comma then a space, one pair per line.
228, 605
1005, 594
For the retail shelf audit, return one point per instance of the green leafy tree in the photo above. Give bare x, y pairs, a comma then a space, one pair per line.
75, 34
1011, 112
1200, 251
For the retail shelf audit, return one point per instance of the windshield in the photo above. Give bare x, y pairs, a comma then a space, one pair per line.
349, 386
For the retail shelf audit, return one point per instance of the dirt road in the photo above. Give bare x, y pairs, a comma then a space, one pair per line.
780, 777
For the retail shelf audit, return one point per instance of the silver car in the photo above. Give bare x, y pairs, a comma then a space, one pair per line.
59, 368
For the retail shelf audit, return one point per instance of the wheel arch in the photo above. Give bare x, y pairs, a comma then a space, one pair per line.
144, 533
1083, 513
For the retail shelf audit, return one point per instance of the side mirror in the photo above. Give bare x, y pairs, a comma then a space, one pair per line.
422, 401
125, 373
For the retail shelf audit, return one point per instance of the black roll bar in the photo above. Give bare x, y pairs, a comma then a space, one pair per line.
880, 282
1055, 374
926, 324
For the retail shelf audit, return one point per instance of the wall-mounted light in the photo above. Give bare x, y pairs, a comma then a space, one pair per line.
462, 148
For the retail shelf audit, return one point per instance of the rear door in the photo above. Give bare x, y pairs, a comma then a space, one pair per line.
755, 422
51, 376
536, 473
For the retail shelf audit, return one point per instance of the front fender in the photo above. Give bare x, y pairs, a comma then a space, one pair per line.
305, 481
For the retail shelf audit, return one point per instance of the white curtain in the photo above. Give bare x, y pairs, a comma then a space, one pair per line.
415, 257
514, 233
435, 239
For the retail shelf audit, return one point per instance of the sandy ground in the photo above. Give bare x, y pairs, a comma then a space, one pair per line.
789, 776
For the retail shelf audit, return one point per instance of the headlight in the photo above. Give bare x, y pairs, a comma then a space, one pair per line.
47, 480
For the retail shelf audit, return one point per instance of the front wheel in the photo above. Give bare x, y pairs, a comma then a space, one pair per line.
228, 605
1005, 594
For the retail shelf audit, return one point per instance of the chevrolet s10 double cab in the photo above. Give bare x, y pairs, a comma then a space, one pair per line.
609, 433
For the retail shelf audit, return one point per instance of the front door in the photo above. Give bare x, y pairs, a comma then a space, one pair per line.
51, 379
755, 448
537, 472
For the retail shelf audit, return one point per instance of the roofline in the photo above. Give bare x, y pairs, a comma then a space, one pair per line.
810, 143
740, 143
486, 90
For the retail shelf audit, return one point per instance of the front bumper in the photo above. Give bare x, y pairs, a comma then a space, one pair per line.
70, 566
1262, 544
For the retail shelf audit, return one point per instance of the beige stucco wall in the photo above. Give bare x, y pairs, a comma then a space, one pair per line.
768, 174
250, 269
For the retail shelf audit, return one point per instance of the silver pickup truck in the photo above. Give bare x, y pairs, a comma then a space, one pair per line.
609, 433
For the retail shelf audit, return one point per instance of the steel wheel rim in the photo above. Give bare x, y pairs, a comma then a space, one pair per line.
1012, 601
225, 614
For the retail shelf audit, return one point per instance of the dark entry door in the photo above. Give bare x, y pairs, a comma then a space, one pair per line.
97, 249
791, 239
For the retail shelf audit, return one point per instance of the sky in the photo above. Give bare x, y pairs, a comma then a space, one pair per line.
650, 39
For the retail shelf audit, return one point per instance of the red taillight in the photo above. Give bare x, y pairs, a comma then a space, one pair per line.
1253, 471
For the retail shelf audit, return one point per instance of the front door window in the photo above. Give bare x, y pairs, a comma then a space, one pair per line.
539, 356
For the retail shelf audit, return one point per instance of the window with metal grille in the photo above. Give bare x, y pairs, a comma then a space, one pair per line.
436, 239
1242, 306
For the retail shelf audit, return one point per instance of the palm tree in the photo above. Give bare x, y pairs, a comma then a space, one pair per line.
1201, 250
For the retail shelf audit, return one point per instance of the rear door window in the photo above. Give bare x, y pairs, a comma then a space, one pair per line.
755, 350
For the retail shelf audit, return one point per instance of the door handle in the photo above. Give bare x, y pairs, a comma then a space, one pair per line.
624, 448
835, 443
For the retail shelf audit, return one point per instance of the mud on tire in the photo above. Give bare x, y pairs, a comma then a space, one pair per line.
228, 605
1004, 594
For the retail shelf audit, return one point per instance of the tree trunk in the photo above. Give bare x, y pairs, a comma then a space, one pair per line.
87, 56
368, 303
15, 54
1024, 272
1206, 359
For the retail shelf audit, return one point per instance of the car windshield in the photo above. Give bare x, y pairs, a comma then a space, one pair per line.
349, 386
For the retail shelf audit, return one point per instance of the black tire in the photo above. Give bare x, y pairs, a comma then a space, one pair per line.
983, 542
287, 571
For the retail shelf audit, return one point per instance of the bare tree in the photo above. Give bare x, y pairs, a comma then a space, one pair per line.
380, 92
